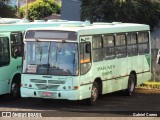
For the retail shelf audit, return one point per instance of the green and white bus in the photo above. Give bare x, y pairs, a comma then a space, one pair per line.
11, 49
83, 62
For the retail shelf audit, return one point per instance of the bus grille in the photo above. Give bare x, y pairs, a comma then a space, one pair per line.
38, 81
41, 86
55, 82
45, 87
47, 84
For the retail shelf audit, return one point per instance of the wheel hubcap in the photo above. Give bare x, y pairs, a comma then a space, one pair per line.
131, 85
94, 93
14, 89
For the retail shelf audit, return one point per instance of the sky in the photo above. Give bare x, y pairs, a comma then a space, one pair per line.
14, 2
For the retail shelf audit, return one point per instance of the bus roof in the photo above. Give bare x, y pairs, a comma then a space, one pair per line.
9, 20
99, 28
23, 25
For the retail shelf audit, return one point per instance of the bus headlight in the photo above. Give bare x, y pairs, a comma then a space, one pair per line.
69, 87
64, 87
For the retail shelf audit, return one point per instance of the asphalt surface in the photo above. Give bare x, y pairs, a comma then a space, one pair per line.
110, 105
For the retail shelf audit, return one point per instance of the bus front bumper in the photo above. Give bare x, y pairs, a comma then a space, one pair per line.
69, 95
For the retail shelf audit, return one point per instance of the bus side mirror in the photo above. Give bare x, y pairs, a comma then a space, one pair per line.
158, 57
158, 61
87, 48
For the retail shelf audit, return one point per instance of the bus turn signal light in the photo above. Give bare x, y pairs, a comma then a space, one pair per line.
76, 87
30, 85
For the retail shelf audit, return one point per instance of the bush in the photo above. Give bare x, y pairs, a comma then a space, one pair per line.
40, 9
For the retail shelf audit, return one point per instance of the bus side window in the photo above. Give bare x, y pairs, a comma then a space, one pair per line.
132, 48
16, 44
121, 46
109, 47
4, 52
97, 48
143, 43
85, 57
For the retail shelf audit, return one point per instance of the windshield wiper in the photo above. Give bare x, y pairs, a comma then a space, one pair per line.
73, 61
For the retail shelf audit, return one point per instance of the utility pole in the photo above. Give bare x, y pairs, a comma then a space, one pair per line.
26, 16
18, 6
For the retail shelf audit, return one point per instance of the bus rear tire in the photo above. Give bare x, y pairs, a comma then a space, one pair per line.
131, 85
94, 95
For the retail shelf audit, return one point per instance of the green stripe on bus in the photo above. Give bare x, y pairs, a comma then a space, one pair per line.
148, 58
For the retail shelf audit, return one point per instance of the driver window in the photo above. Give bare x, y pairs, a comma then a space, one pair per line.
16, 44
85, 58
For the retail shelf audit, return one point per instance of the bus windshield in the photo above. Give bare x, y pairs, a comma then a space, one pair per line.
50, 58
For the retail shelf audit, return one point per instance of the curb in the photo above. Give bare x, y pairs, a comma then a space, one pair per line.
147, 91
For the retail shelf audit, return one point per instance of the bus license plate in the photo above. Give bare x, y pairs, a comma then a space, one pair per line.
47, 94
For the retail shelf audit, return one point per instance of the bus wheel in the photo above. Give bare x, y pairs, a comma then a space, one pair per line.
94, 95
131, 85
15, 90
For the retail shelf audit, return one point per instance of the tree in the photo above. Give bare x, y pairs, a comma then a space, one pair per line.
40, 9
4, 1
135, 11
6, 10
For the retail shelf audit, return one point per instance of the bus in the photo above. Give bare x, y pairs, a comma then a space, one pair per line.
85, 62
11, 49
9, 20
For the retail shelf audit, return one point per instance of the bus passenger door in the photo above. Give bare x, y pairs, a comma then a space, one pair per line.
16, 53
85, 66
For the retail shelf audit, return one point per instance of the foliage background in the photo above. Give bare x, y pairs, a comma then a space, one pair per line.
135, 11
40, 9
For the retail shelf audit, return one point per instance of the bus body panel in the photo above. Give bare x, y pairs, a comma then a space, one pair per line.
61, 87
143, 77
5, 79
114, 85
70, 95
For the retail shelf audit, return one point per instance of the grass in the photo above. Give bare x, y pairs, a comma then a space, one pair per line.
150, 85
149, 88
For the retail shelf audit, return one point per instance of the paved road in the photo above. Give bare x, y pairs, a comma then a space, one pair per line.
115, 104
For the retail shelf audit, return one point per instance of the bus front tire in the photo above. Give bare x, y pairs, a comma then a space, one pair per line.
15, 90
94, 94
131, 85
